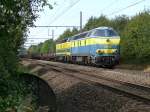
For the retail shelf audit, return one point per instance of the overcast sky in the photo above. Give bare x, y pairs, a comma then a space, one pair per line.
67, 12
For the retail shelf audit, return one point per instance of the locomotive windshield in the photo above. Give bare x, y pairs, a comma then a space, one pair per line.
111, 33
104, 33
99, 32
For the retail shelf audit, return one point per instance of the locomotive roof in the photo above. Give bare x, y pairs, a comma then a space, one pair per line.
103, 28
77, 35
61, 40
74, 36
81, 33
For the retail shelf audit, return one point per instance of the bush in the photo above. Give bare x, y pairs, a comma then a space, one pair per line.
135, 41
16, 16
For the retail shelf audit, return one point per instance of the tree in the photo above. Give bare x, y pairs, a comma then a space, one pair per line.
94, 22
90, 24
136, 39
74, 31
16, 16
66, 34
48, 47
43, 48
33, 49
119, 23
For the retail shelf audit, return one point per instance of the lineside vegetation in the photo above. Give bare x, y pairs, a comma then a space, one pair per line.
15, 17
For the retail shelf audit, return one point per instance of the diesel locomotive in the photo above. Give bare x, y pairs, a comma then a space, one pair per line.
99, 46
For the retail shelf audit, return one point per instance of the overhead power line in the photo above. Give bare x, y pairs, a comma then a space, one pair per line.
109, 5
119, 10
31, 43
56, 26
41, 36
64, 11
38, 38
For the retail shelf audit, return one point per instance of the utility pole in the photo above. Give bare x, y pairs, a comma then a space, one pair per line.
52, 34
80, 21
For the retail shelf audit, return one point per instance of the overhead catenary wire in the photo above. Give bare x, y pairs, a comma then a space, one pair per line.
112, 13
119, 10
38, 38
64, 11
60, 26
108, 6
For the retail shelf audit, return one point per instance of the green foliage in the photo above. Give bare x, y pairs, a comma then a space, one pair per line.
48, 47
135, 45
34, 49
68, 33
119, 23
12, 93
94, 22
16, 16
43, 48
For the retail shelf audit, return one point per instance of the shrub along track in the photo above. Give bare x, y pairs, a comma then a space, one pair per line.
140, 92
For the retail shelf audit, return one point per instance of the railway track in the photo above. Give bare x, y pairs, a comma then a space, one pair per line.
133, 90
140, 92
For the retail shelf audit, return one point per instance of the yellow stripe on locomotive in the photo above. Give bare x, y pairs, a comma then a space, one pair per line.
93, 41
63, 48
100, 44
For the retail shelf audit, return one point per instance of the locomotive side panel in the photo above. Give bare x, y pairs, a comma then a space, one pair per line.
100, 46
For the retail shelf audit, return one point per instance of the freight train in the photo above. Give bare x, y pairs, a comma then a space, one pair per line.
99, 46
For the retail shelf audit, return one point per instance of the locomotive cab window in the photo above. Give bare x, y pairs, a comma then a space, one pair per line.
83, 35
98, 32
111, 33
89, 34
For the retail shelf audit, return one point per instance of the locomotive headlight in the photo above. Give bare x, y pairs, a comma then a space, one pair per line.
115, 52
98, 51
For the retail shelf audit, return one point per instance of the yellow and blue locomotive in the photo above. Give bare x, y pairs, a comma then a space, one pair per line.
99, 46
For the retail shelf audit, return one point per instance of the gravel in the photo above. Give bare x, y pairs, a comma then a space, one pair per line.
133, 76
74, 95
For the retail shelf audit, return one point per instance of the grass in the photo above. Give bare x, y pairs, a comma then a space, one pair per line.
135, 65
